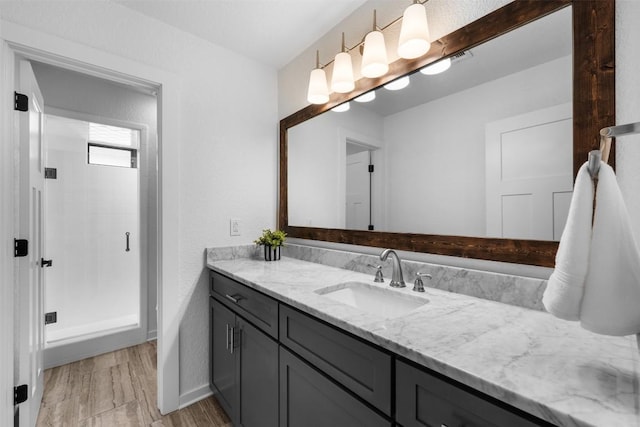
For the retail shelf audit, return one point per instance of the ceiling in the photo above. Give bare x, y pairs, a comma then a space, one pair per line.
272, 32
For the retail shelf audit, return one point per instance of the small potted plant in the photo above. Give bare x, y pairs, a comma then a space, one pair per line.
272, 242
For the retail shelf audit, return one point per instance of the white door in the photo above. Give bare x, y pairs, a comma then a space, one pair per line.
29, 294
357, 191
529, 174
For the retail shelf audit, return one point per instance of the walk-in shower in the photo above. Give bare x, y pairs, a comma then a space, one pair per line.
92, 230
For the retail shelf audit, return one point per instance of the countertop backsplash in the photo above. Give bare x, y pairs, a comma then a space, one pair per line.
508, 289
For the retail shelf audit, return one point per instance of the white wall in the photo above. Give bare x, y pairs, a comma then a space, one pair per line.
228, 120
6, 255
95, 97
628, 105
316, 173
442, 143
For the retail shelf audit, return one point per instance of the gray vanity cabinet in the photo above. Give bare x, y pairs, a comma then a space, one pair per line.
309, 399
273, 365
244, 358
423, 400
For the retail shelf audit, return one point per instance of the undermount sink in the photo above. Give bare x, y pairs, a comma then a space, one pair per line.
373, 299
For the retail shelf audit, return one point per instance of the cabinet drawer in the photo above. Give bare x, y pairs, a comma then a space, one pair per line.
309, 399
257, 308
423, 399
361, 368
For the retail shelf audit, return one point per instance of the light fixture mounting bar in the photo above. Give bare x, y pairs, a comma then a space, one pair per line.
344, 48
375, 27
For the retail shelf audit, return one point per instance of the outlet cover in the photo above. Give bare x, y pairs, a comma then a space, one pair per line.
234, 227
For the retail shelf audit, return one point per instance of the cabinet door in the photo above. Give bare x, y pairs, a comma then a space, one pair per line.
357, 366
423, 400
258, 379
309, 399
223, 361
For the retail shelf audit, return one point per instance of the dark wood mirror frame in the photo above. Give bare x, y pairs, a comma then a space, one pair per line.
593, 109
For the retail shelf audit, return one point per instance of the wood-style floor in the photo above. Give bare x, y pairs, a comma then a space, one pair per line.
116, 389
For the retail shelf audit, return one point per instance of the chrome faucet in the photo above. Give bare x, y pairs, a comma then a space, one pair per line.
397, 281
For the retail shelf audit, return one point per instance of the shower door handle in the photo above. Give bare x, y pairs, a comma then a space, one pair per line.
127, 238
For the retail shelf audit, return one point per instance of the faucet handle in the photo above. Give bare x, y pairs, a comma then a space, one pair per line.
418, 286
379, 277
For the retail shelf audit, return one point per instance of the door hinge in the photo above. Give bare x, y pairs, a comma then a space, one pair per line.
370, 168
51, 317
20, 394
20, 247
20, 102
50, 173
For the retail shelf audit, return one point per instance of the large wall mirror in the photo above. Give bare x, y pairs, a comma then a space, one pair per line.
477, 161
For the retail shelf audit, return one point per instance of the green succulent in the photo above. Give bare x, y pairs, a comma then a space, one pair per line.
271, 238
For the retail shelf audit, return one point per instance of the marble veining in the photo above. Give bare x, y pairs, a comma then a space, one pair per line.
548, 367
515, 290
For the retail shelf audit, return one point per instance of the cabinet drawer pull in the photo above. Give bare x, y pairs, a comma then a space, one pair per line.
235, 298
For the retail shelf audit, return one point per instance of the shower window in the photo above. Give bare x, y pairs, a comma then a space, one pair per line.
105, 155
113, 135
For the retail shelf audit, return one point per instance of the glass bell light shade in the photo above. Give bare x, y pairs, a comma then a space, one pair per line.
342, 76
374, 57
318, 92
437, 68
414, 33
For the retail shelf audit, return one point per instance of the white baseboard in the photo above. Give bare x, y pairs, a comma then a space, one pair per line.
195, 395
152, 335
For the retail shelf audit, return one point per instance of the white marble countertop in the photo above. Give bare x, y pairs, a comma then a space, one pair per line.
547, 367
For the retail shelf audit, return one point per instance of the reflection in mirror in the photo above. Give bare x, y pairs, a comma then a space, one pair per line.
482, 149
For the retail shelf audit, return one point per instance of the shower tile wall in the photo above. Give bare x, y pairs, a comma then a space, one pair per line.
93, 284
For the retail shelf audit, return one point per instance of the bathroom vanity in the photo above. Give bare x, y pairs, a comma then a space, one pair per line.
285, 353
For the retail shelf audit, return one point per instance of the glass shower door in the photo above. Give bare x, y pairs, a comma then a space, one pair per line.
93, 214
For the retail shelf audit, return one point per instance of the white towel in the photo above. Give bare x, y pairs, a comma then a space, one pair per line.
611, 302
565, 288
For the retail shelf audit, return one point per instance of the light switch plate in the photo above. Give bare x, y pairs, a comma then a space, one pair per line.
234, 227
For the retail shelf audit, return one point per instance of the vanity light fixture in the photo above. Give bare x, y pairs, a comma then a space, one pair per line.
414, 34
414, 42
342, 77
398, 84
341, 108
437, 68
318, 92
366, 97
374, 56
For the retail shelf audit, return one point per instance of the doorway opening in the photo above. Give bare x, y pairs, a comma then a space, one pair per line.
24, 44
95, 210
100, 149
359, 186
